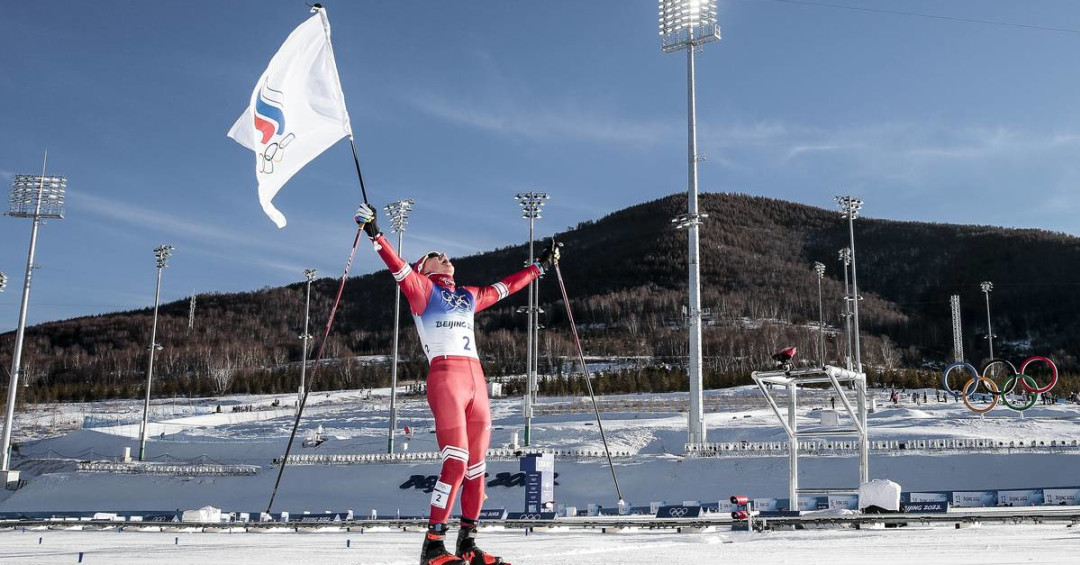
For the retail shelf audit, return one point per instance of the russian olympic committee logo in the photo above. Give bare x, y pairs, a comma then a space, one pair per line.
270, 121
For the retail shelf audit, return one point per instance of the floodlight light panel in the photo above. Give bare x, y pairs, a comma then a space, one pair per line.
25, 193
686, 23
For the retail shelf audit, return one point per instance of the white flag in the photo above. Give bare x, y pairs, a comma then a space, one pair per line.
297, 110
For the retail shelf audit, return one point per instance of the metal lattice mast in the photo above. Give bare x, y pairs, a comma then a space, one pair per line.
161, 254
845, 258
688, 25
39, 198
191, 312
986, 287
309, 275
532, 205
399, 220
957, 329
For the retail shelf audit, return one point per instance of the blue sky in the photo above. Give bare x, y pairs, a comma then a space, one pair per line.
460, 105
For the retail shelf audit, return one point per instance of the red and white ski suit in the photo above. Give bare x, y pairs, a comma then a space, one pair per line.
456, 388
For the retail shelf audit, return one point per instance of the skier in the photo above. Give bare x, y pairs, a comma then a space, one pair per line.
456, 389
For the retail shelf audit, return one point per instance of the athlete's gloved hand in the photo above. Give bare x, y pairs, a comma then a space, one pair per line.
550, 255
365, 217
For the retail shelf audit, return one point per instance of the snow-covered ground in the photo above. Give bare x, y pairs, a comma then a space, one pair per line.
1002, 544
250, 430
255, 431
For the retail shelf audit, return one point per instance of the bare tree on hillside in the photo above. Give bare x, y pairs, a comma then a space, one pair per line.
221, 371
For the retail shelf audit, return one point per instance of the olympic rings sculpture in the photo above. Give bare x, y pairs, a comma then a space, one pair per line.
1016, 378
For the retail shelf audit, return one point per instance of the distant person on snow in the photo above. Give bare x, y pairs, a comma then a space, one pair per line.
456, 388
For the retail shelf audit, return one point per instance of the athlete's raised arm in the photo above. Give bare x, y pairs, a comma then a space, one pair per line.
489, 295
416, 288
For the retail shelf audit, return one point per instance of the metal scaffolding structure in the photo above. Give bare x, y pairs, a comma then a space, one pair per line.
791, 380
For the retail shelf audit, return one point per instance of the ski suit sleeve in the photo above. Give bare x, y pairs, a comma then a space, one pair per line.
415, 287
489, 295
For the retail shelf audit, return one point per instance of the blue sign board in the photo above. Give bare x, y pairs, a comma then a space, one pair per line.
530, 515
678, 511
493, 514
539, 469
926, 507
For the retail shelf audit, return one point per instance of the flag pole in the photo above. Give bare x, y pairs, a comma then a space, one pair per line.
359, 175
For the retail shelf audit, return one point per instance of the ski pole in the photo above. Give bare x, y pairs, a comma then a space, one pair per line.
588, 383
315, 369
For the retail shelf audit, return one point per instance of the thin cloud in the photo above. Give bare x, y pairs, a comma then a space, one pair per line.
545, 124
210, 235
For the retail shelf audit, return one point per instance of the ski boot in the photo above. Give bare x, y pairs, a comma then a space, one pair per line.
467, 550
434, 550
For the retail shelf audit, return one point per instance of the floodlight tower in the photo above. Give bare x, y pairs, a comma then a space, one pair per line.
687, 25
3, 281
162, 254
986, 287
532, 205
39, 198
819, 269
849, 210
845, 258
399, 219
309, 275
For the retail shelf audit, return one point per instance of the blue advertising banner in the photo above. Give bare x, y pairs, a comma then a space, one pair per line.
974, 498
678, 511
766, 504
493, 514
1061, 496
1028, 497
319, 518
927, 507
813, 503
843, 501
530, 515
917, 497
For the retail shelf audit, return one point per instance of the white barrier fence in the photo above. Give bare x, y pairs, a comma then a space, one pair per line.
178, 469
652, 405
883, 447
434, 456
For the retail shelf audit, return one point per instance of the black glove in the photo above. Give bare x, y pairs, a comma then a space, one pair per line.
365, 217
550, 255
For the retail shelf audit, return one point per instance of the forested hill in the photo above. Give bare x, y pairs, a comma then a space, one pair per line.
626, 276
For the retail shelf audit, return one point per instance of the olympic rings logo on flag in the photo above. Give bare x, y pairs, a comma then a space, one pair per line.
1016, 378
